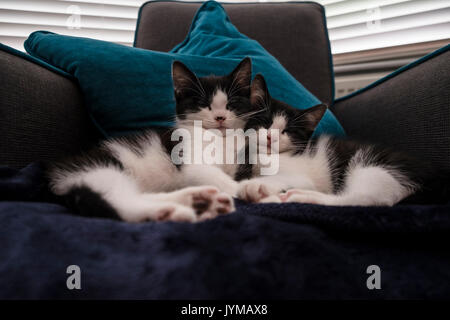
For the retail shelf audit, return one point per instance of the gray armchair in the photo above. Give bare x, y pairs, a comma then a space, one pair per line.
42, 115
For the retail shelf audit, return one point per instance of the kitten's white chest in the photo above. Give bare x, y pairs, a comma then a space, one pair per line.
214, 149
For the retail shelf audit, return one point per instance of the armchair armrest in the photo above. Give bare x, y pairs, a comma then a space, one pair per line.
408, 110
41, 112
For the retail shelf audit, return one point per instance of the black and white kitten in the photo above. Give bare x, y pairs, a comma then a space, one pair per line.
134, 179
326, 170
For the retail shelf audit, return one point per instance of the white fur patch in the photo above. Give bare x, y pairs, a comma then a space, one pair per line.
218, 109
279, 122
219, 101
281, 142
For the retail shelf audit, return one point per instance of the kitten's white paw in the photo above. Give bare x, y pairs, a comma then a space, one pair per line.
206, 201
256, 191
307, 196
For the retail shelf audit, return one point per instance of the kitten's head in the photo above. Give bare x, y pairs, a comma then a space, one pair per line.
221, 102
294, 126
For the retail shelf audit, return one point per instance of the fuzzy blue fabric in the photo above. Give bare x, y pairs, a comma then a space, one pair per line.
128, 89
264, 251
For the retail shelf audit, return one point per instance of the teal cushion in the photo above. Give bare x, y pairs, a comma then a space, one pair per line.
127, 89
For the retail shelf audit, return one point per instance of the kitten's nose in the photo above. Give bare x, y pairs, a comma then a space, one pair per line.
269, 138
220, 119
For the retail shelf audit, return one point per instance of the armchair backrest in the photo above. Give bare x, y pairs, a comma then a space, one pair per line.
295, 33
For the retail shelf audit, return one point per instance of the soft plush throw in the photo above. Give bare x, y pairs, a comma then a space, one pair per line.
264, 251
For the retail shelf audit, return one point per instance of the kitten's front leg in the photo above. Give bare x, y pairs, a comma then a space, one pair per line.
268, 188
263, 189
308, 196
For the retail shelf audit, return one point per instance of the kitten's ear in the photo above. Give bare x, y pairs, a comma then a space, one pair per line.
182, 77
242, 74
259, 94
312, 116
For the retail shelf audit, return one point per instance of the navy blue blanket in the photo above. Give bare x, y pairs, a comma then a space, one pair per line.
267, 251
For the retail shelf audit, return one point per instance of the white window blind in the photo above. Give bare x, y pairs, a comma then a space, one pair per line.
354, 25
110, 20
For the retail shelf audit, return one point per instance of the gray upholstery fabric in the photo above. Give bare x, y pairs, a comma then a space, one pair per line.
410, 111
292, 32
41, 114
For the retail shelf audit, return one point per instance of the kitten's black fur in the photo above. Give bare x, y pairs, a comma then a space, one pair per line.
432, 185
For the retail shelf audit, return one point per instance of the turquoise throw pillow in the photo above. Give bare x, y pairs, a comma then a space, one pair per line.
128, 89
